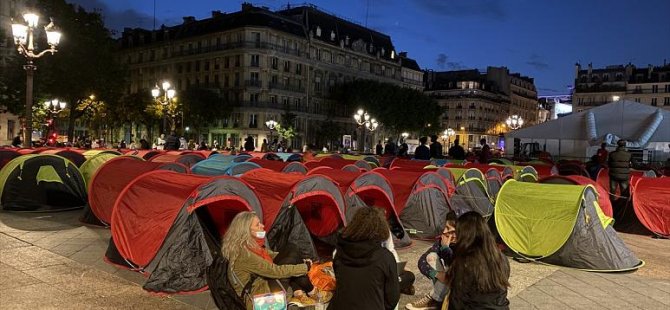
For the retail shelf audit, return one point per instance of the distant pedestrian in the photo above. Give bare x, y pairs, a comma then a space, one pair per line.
435, 147
485, 154
249, 144
422, 152
379, 148
457, 152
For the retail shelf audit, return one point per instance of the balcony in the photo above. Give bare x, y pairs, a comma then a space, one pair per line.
290, 87
253, 83
242, 44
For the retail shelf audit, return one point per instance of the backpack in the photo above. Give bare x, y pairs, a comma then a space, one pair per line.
222, 290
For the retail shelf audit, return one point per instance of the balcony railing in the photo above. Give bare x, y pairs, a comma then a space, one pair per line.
289, 87
253, 83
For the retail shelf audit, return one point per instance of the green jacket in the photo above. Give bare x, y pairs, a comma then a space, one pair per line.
248, 263
619, 164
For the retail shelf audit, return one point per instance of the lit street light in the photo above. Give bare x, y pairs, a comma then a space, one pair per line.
514, 122
53, 107
164, 100
448, 133
363, 119
271, 124
24, 38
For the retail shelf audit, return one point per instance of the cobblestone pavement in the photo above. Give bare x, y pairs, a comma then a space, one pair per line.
51, 261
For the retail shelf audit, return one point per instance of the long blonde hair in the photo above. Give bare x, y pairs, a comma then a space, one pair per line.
238, 237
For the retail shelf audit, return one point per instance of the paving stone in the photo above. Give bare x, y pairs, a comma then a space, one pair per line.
541, 299
200, 300
519, 303
36, 296
8, 242
24, 258
12, 278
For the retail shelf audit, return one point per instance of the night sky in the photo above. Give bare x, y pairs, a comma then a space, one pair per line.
538, 38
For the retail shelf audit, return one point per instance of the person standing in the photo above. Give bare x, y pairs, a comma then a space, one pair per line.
619, 169
435, 147
390, 148
264, 146
422, 152
602, 154
249, 144
485, 154
366, 273
172, 142
379, 149
457, 152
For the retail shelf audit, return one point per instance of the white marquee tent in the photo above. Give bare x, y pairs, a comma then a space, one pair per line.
580, 134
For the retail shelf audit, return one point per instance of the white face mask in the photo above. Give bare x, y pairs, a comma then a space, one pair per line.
260, 234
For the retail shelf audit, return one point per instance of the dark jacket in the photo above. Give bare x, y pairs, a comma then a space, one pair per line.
422, 152
367, 277
249, 145
436, 150
171, 142
379, 149
485, 154
446, 254
469, 298
457, 152
619, 164
390, 148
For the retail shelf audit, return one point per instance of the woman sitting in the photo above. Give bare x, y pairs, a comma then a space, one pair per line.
244, 248
366, 273
479, 274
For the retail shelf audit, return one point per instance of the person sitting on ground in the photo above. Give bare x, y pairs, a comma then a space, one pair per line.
434, 263
366, 273
435, 147
457, 152
478, 277
422, 152
406, 278
244, 248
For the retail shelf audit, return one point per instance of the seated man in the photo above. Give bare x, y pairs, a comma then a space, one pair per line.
434, 264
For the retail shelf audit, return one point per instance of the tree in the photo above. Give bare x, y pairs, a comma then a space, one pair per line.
84, 64
398, 109
329, 132
201, 106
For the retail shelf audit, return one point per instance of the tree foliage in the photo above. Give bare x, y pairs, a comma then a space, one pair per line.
398, 109
84, 64
202, 106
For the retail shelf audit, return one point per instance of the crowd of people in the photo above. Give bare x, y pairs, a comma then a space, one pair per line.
465, 265
434, 150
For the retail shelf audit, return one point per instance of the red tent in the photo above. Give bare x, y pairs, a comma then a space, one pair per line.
335, 163
651, 202
113, 176
402, 183
273, 165
407, 164
188, 159
603, 195
341, 177
169, 240
144, 154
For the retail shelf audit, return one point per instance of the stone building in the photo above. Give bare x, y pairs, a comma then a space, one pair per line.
598, 86
267, 63
477, 104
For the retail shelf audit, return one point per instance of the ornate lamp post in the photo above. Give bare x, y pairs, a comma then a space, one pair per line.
363, 119
164, 100
271, 124
450, 132
24, 38
54, 107
514, 122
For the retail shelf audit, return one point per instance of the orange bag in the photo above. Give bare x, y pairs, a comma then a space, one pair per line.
322, 276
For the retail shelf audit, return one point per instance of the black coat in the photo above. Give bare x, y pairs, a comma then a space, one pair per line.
422, 152
457, 152
367, 277
619, 164
436, 150
171, 142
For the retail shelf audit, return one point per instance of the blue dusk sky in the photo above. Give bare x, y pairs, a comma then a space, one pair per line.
542, 39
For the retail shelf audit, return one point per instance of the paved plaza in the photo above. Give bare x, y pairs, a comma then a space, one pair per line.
51, 261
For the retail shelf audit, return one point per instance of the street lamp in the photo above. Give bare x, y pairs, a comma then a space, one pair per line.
53, 107
363, 119
271, 124
514, 122
165, 99
449, 132
24, 38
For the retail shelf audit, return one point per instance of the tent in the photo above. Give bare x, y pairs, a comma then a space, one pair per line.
425, 211
580, 134
275, 165
651, 203
352, 168
187, 159
90, 153
471, 195
171, 241
91, 165
363, 165
295, 167
75, 157
111, 178
6, 155
372, 160
214, 165
494, 182
528, 174
41, 182
144, 154
290, 157
603, 194
565, 228
335, 163
237, 169
407, 164
447, 175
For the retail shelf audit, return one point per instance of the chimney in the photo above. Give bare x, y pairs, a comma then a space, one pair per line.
216, 14
578, 67
403, 54
246, 6
188, 19
650, 69
590, 68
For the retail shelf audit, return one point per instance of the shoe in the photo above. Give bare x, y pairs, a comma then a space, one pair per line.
324, 297
425, 303
302, 301
409, 291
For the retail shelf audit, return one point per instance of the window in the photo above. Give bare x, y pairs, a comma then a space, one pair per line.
11, 130
638, 89
188, 66
206, 65
254, 77
180, 68
298, 69
273, 99
666, 101
653, 101
237, 60
255, 60
197, 66
667, 88
275, 63
318, 31
216, 80
237, 79
287, 66
274, 80
226, 62
654, 89
254, 97
637, 100
257, 39
206, 80
619, 77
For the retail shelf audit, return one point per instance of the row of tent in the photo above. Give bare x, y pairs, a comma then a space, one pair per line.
175, 237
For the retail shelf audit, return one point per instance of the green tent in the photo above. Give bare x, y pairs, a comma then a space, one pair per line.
561, 225
528, 174
41, 182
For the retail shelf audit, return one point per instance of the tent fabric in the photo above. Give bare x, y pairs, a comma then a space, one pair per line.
274, 165
72, 155
342, 178
494, 182
295, 167
371, 159
113, 176
447, 175
144, 154
603, 195
528, 174
335, 163
237, 169
90, 153
407, 164
187, 159
6, 155
471, 195
363, 165
651, 202
563, 228
320, 203
91, 165
402, 183
41, 182
214, 165
168, 240
457, 172
26, 151
427, 207
352, 168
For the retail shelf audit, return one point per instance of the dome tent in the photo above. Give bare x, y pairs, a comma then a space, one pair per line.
40, 182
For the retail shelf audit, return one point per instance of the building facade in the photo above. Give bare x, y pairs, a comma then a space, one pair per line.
410, 72
10, 126
268, 63
477, 104
594, 87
